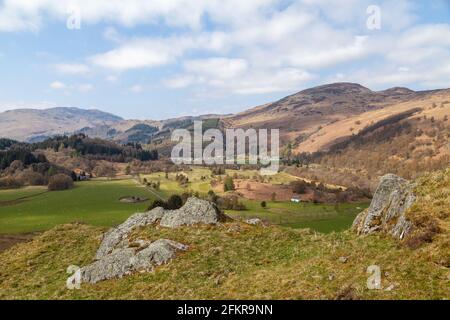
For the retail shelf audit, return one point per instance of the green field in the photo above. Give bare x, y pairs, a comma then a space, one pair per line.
320, 217
93, 202
97, 203
170, 186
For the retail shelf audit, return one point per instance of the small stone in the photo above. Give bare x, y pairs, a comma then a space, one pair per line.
254, 221
235, 228
343, 259
390, 288
331, 277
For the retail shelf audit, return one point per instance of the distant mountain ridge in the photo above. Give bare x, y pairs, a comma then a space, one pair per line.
309, 120
35, 124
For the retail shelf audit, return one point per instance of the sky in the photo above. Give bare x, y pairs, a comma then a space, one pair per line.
156, 59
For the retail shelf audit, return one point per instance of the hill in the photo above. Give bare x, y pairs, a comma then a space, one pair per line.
313, 118
36, 125
331, 119
222, 261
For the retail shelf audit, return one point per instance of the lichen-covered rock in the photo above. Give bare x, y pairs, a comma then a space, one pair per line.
194, 211
118, 235
124, 261
117, 257
386, 213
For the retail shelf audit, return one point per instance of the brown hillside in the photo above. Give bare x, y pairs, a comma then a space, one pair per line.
303, 113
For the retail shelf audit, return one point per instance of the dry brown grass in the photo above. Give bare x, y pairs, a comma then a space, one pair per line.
238, 261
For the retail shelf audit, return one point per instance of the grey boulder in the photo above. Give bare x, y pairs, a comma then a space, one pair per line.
124, 261
118, 235
117, 257
386, 213
194, 211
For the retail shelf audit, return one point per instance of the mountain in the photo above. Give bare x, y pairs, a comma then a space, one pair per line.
145, 131
35, 125
305, 113
346, 134
311, 120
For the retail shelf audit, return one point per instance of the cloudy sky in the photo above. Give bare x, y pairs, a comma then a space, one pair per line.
165, 58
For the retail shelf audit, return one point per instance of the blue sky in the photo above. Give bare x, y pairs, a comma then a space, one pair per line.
159, 58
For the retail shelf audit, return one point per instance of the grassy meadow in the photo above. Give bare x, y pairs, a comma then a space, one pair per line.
320, 217
94, 202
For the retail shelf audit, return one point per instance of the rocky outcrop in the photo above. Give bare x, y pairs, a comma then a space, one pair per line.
124, 261
118, 235
386, 213
194, 211
117, 257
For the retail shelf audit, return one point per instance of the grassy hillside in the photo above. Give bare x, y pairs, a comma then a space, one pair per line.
94, 202
238, 261
232, 261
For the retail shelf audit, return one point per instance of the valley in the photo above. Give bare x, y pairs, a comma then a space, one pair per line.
97, 202
301, 228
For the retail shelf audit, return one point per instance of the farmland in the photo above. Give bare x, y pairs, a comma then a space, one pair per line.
96, 202
92, 202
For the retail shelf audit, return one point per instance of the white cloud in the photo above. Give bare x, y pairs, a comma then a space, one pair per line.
137, 88
112, 78
86, 87
71, 68
252, 46
239, 79
142, 53
180, 81
155, 52
83, 87
267, 81
427, 35
112, 34
57, 85
221, 68
330, 56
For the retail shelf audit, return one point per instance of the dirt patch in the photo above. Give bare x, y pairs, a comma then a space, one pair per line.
8, 240
263, 191
12, 202
132, 199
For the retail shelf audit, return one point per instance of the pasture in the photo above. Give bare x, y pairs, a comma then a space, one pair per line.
93, 202
97, 202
